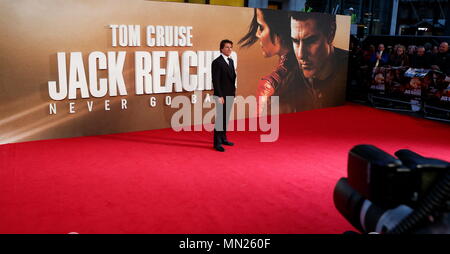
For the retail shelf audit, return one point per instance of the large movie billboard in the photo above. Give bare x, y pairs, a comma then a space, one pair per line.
80, 67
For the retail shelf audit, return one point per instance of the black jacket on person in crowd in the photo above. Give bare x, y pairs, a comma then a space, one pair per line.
421, 62
399, 60
442, 60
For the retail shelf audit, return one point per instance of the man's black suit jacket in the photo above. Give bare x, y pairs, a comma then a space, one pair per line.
223, 78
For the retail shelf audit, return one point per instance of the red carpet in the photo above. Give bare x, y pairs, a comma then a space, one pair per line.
166, 182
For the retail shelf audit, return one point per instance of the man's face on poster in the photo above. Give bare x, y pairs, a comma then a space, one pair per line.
415, 83
379, 79
311, 46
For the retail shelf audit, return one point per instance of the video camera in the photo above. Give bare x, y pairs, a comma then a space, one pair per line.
386, 194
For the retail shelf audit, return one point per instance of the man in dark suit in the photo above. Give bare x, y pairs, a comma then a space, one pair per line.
223, 79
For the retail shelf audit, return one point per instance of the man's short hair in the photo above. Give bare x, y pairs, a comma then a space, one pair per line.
326, 23
223, 42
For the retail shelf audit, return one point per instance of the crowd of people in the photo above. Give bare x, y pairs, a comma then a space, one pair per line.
422, 56
401, 71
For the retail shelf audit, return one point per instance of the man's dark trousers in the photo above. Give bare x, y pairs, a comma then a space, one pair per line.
220, 129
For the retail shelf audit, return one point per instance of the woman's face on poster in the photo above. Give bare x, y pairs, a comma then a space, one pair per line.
268, 47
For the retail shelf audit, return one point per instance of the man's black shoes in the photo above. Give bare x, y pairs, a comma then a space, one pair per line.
227, 143
219, 148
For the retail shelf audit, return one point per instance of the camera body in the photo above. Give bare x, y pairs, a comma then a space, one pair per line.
382, 190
